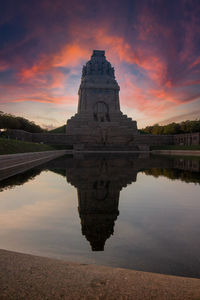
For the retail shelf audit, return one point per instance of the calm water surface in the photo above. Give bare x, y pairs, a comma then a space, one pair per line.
134, 212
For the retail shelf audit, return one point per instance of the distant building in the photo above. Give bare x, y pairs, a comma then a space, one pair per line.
187, 139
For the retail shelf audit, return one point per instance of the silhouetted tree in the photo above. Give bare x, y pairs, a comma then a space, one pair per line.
173, 128
8, 121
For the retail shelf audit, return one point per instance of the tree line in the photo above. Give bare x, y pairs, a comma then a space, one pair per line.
8, 121
183, 175
173, 128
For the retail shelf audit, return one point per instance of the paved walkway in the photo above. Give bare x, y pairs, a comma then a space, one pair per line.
177, 152
24, 276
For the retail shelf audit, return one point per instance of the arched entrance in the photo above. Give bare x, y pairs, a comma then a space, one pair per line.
101, 112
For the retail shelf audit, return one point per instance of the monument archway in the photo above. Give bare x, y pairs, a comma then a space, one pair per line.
101, 112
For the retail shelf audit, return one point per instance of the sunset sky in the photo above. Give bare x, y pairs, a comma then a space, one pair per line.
153, 45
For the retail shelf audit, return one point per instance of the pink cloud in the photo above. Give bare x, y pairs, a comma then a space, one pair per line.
166, 77
70, 55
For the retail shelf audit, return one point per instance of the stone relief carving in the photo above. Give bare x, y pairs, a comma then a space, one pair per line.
98, 65
101, 112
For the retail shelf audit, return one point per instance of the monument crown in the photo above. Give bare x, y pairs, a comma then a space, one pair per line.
98, 53
98, 65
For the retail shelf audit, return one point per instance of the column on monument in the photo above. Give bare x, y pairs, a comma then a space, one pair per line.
117, 100
82, 104
85, 99
79, 101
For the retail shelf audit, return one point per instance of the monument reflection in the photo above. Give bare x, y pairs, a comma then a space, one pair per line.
99, 179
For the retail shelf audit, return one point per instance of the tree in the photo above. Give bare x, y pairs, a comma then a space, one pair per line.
174, 128
8, 121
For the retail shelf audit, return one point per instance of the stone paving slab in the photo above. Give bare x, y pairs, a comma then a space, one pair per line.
24, 276
13, 164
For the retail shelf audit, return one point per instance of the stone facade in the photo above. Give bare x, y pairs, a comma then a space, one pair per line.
187, 139
99, 120
78, 140
18, 134
141, 142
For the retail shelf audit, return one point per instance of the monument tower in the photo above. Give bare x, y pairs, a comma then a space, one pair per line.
99, 120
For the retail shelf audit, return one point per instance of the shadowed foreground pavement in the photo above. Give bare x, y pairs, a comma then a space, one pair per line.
24, 276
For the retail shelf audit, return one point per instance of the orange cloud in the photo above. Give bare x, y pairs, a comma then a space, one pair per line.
155, 95
143, 58
141, 99
68, 56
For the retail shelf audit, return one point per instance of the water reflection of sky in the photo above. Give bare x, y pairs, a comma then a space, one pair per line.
157, 230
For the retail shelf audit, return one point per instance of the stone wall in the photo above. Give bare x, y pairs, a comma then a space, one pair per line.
187, 139
63, 139
52, 139
82, 143
43, 138
154, 140
19, 135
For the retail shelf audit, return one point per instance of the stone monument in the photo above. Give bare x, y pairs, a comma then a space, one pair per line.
99, 121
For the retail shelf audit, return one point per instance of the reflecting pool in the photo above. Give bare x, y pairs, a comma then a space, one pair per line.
135, 211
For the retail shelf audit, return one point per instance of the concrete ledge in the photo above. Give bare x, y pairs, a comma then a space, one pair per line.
109, 151
13, 164
24, 276
177, 152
